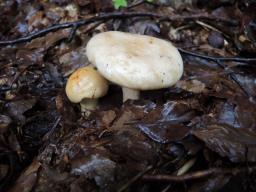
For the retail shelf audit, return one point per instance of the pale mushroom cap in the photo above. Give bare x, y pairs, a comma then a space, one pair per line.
86, 83
135, 61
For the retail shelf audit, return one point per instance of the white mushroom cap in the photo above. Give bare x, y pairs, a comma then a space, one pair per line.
137, 62
86, 83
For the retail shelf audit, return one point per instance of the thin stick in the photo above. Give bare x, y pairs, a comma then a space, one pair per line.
218, 60
197, 174
107, 16
215, 58
204, 16
134, 179
75, 25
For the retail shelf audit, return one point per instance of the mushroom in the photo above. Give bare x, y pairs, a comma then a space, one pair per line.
135, 62
85, 86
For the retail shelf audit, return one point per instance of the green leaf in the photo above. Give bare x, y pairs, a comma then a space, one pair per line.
119, 3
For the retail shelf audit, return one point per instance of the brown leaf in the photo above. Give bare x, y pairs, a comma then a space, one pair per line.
27, 180
5, 121
236, 144
164, 132
96, 167
193, 86
17, 108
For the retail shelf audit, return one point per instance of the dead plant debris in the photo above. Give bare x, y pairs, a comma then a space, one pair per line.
198, 135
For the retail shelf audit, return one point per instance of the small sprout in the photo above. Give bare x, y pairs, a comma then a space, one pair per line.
119, 3
123, 3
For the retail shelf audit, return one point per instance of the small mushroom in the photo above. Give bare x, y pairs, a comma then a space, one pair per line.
85, 86
135, 62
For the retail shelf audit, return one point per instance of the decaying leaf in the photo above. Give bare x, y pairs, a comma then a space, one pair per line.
236, 144
193, 86
28, 178
209, 115
99, 168
17, 108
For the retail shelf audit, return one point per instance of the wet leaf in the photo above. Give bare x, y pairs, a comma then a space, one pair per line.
193, 86
166, 125
214, 183
248, 82
135, 149
236, 144
145, 28
35, 128
99, 168
208, 115
30, 57
164, 132
46, 42
17, 108
27, 180
5, 122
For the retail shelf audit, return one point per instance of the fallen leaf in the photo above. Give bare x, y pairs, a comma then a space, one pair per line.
236, 144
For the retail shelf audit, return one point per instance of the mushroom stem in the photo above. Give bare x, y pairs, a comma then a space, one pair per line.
88, 105
130, 94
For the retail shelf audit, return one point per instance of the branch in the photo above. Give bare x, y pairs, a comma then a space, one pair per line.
197, 174
75, 25
217, 59
106, 16
204, 16
134, 179
234, 78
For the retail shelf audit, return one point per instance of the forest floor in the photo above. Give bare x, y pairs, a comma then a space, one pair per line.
199, 135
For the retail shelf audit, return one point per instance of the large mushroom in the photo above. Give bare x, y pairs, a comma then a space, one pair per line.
135, 62
85, 86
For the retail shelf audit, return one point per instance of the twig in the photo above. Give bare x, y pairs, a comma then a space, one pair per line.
215, 58
186, 166
207, 26
106, 16
218, 60
134, 179
181, 178
233, 77
76, 24
204, 16
72, 33
197, 174
51, 131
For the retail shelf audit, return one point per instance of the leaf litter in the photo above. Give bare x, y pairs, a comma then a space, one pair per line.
209, 115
